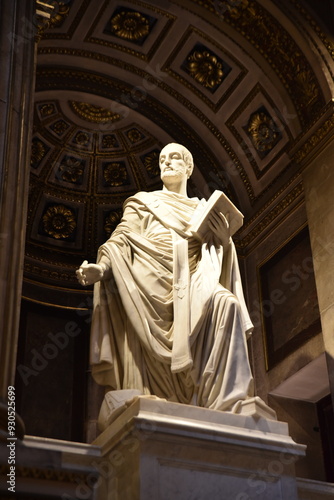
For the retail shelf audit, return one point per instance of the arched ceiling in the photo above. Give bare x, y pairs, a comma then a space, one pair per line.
238, 82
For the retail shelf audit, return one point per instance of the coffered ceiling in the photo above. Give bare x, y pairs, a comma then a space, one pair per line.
239, 82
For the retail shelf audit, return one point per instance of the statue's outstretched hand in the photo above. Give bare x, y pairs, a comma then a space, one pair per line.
88, 274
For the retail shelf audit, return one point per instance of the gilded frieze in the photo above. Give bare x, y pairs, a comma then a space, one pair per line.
92, 113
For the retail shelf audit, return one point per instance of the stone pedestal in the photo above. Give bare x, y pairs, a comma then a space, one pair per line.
161, 450
157, 450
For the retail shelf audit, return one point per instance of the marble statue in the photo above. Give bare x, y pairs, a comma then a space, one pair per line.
169, 315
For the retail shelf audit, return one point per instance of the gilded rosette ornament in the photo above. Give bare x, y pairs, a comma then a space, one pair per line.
59, 127
71, 170
109, 141
38, 151
82, 139
47, 109
263, 132
132, 26
134, 135
115, 174
151, 162
205, 68
111, 221
59, 222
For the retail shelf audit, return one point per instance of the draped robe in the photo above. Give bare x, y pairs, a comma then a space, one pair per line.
171, 319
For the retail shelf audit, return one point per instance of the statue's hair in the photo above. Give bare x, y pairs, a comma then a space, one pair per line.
187, 156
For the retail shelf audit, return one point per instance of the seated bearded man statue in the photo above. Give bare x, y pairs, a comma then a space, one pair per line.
169, 315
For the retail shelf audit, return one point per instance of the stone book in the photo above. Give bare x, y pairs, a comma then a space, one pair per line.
220, 203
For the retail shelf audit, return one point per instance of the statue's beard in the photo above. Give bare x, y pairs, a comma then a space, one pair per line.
171, 173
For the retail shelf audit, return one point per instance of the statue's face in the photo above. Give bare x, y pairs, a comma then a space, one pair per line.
172, 164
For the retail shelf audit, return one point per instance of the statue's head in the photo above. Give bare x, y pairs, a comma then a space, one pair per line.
177, 152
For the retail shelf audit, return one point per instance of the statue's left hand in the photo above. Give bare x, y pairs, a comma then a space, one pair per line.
88, 274
219, 227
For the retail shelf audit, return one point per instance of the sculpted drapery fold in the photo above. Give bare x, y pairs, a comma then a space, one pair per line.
171, 319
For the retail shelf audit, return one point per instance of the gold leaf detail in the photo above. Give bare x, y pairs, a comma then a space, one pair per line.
131, 26
109, 141
71, 170
205, 68
92, 113
151, 162
115, 174
38, 151
59, 222
134, 135
112, 220
263, 131
47, 110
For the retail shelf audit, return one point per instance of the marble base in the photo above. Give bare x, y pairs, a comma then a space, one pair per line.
161, 450
158, 450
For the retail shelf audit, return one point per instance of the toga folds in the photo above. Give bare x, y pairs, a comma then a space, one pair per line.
171, 319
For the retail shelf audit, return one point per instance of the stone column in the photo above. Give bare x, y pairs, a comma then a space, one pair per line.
17, 69
319, 199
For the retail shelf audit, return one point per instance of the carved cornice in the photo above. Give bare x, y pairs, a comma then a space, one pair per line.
42, 271
318, 138
260, 228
